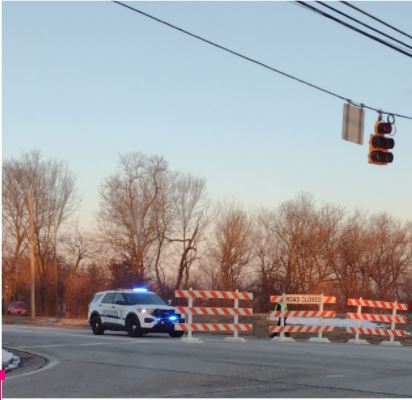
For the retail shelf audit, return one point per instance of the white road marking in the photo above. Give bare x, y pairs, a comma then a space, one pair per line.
60, 333
51, 363
89, 344
28, 326
26, 329
79, 335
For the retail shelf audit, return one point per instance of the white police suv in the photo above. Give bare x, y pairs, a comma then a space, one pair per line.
137, 311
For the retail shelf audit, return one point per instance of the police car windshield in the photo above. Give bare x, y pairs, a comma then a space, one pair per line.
143, 298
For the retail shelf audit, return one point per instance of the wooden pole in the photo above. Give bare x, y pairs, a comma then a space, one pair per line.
32, 255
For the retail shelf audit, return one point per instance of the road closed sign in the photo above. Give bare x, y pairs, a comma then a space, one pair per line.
303, 299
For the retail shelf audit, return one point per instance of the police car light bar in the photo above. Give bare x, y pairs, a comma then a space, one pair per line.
140, 290
172, 318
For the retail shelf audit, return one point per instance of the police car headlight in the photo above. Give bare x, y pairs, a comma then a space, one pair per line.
146, 310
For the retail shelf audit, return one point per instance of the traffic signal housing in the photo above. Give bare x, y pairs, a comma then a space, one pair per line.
379, 145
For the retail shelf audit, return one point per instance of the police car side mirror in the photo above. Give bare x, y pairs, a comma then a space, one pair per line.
169, 302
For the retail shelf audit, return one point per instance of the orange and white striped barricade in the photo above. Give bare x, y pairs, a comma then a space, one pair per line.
393, 319
189, 311
319, 299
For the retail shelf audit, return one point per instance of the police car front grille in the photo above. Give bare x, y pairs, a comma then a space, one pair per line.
162, 313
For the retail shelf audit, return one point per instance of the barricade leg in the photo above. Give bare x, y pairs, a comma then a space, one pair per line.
320, 338
282, 337
189, 338
391, 341
235, 337
356, 340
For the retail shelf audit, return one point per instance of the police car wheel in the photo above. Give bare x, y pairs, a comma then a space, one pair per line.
97, 326
133, 327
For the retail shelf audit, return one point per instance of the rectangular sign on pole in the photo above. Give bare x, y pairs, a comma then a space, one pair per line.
353, 121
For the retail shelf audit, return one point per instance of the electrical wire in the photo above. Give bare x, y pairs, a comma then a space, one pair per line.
346, 3
258, 62
363, 24
329, 16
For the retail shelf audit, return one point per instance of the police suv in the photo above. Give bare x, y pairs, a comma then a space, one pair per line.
137, 311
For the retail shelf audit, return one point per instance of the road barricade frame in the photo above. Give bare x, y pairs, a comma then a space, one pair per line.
189, 327
392, 318
320, 300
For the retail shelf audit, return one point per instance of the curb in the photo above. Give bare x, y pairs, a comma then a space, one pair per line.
11, 364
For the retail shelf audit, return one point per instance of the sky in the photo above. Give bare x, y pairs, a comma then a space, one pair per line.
86, 81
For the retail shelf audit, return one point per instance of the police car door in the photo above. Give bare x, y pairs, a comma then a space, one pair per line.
107, 308
117, 312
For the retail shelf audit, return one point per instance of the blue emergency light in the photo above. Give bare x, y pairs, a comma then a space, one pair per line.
140, 290
172, 318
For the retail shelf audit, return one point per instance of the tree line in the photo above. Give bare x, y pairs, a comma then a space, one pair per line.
158, 227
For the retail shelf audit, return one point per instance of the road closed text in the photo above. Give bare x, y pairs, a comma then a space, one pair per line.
303, 299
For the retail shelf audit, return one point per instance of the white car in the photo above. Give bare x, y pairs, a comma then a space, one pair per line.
137, 311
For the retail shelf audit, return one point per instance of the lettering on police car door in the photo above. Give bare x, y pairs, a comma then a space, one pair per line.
110, 313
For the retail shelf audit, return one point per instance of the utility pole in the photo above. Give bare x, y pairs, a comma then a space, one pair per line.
32, 255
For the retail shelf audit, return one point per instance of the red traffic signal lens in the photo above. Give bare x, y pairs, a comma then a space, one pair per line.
383, 128
381, 156
381, 142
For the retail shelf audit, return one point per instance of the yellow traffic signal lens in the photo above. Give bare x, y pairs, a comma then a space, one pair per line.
381, 142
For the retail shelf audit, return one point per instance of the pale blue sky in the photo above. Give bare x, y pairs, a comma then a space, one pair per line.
85, 81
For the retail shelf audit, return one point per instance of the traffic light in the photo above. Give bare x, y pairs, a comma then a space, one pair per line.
379, 144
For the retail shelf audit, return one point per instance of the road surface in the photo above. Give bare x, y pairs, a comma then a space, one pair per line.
80, 364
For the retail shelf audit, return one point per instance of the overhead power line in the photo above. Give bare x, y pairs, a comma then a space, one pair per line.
346, 3
363, 24
329, 16
259, 63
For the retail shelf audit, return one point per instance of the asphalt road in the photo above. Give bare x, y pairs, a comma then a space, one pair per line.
80, 364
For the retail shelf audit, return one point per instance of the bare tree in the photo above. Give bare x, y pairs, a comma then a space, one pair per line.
164, 218
231, 250
327, 231
373, 256
391, 256
296, 244
268, 261
14, 214
293, 225
129, 208
14, 225
77, 247
190, 208
52, 187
